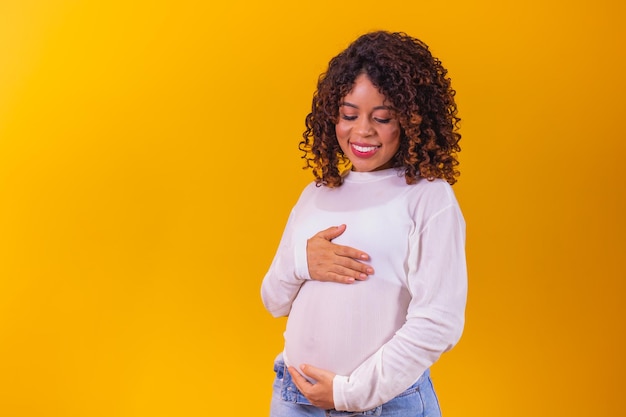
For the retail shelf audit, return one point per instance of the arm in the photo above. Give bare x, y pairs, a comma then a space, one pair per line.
437, 280
282, 281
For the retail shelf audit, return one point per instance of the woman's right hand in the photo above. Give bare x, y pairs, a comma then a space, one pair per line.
328, 261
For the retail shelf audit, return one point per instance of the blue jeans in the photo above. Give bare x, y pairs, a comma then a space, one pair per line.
419, 400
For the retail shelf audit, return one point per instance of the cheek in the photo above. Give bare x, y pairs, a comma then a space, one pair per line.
342, 137
341, 131
394, 140
391, 135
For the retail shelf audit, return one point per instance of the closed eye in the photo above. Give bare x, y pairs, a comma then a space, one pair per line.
383, 121
349, 118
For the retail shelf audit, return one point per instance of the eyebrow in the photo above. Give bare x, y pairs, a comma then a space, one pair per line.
354, 106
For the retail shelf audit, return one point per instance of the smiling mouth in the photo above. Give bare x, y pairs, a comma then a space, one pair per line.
364, 149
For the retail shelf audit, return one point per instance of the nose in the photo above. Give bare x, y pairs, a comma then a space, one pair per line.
364, 128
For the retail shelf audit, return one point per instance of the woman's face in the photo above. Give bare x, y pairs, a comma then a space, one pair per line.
368, 131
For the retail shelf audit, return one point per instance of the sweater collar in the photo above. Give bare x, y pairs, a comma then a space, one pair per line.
354, 176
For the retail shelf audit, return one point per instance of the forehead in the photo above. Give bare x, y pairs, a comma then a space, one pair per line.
364, 90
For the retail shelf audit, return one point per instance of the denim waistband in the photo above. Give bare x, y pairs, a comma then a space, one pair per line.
289, 392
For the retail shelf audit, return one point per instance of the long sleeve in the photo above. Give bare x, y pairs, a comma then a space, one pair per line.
286, 274
437, 281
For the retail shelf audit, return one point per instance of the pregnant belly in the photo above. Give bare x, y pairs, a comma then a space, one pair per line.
337, 326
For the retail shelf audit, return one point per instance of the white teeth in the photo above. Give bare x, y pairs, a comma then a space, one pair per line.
364, 148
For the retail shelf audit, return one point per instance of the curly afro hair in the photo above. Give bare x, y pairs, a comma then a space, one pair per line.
414, 82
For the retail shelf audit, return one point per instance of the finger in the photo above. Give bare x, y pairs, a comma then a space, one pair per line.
317, 374
349, 252
332, 232
320, 243
350, 267
342, 279
298, 379
347, 275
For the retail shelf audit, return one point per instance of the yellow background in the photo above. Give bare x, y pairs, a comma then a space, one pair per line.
148, 161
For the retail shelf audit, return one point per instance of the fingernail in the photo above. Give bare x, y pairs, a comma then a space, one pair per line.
370, 271
364, 256
362, 276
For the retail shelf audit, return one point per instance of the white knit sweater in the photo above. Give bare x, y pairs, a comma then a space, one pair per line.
381, 334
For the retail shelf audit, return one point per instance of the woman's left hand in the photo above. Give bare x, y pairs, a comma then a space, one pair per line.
319, 394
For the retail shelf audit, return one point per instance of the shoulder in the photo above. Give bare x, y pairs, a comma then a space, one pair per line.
427, 199
437, 190
308, 192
